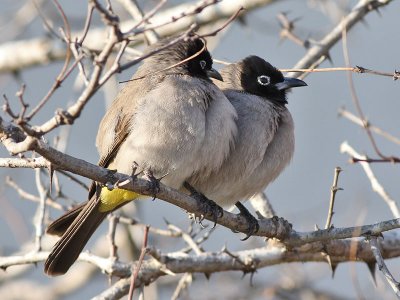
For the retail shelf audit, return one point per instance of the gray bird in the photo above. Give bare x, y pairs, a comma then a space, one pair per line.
265, 141
172, 120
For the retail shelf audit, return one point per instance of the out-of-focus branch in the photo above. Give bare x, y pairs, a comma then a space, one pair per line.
312, 59
376, 186
19, 55
395, 285
136, 12
353, 118
357, 103
262, 205
247, 261
211, 262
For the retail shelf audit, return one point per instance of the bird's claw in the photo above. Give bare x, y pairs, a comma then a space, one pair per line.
207, 206
153, 183
252, 222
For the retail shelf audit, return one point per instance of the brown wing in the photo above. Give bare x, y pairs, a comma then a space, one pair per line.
121, 133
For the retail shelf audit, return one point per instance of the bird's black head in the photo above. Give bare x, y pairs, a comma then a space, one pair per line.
256, 76
199, 64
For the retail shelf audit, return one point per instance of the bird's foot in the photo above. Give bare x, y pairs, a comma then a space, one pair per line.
153, 183
207, 206
252, 222
135, 167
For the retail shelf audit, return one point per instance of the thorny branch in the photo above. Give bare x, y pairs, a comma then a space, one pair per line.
273, 227
161, 264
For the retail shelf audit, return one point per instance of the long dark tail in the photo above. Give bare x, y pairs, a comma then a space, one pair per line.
85, 220
60, 225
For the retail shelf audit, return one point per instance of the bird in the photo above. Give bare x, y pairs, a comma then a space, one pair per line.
265, 141
170, 120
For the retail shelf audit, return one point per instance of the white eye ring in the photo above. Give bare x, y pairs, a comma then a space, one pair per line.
203, 64
263, 79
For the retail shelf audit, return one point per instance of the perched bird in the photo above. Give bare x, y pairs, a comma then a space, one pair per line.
172, 120
265, 141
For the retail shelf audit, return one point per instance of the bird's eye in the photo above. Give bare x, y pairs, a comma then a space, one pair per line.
263, 79
203, 64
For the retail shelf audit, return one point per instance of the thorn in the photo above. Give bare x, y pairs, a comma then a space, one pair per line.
244, 274
224, 248
372, 268
295, 20
51, 173
333, 265
167, 271
365, 23
329, 58
242, 20
252, 277
378, 11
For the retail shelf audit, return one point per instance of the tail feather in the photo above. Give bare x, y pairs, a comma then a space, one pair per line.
60, 225
65, 252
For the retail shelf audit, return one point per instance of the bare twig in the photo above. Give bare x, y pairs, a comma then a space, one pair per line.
223, 26
183, 284
394, 284
334, 190
287, 28
112, 227
74, 179
376, 186
193, 11
87, 23
27, 196
41, 210
391, 159
64, 72
139, 264
57, 83
356, 100
353, 118
357, 69
262, 206
136, 12
187, 238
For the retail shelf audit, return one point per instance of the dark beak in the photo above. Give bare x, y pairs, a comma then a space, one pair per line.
212, 73
289, 83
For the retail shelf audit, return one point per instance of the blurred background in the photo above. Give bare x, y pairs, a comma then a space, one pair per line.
300, 194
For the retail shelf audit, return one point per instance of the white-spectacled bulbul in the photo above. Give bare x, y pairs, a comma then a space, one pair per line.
172, 120
265, 141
